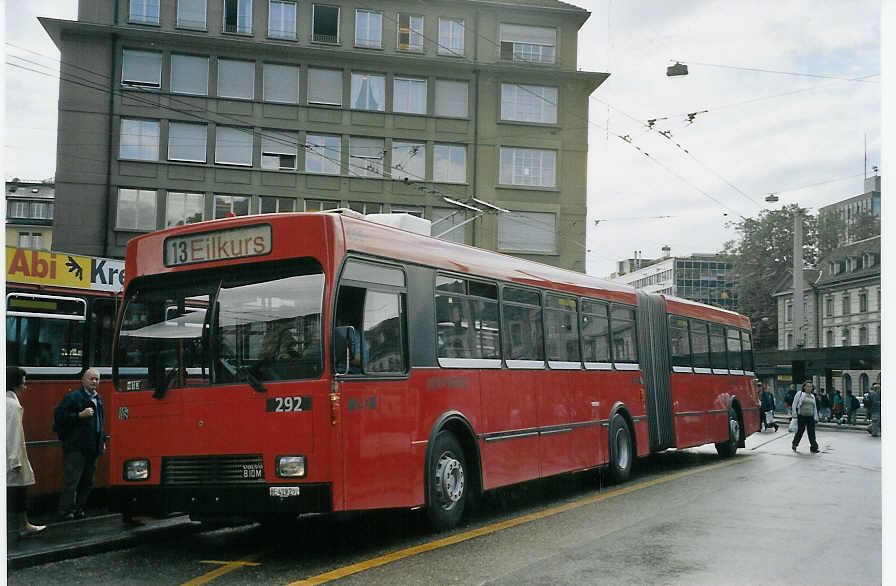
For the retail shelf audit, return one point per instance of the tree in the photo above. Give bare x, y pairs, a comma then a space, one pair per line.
831, 230
865, 225
762, 257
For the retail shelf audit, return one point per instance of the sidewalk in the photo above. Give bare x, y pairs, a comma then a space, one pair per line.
861, 425
95, 534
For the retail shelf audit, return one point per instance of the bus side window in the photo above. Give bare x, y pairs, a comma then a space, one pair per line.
679, 341
102, 330
700, 344
382, 342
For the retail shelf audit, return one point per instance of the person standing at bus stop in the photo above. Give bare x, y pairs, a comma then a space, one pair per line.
79, 424
806, 411
19, 474
874, 410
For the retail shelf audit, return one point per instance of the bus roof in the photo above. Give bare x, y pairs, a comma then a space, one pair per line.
329, 236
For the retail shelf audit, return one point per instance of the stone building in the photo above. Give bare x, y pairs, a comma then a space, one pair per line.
842, 304
470, 113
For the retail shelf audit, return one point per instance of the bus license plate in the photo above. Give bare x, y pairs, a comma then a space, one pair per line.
285, 491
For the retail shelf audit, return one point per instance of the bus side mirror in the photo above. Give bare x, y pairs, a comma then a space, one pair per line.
343, 348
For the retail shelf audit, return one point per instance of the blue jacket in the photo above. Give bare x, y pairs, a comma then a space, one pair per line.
76, 433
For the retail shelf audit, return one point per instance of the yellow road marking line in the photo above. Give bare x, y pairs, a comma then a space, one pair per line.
226, 567
440, 543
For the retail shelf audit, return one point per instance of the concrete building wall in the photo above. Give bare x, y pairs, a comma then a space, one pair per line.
91, 171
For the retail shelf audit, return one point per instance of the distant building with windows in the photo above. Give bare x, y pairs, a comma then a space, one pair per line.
471, 113
30, 207
850, 208
842, 303
706, 278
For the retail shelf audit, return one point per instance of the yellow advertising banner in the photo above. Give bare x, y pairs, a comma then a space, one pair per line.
47, 268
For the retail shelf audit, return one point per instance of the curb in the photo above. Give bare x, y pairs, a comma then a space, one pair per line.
126, 537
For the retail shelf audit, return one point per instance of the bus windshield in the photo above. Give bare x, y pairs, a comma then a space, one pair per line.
220, 327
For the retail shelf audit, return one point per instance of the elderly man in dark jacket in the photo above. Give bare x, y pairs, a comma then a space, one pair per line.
79, 423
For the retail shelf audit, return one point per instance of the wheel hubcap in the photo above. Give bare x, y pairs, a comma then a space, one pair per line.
622, 449
449, 480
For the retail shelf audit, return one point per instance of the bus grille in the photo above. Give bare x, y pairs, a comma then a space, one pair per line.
240, 468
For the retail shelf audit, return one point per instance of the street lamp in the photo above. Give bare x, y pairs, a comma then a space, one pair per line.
677, 69
772, 198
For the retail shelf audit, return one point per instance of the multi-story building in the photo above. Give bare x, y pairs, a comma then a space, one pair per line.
174, 111
851, 209
29, 214
706, 278
842, 302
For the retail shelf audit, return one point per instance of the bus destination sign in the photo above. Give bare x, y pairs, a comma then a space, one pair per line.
218, 245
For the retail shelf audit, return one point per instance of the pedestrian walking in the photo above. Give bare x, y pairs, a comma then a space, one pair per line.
788, 399
19, 473
767, 405
874, 410
851, 404
79, 424
837, 408
806, 411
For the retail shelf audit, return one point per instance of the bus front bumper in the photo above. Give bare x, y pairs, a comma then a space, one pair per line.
220, 500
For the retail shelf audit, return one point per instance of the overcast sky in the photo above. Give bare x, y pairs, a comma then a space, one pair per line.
798, 135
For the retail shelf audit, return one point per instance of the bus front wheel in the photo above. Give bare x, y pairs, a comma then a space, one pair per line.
728, 448
620, 449
448, 487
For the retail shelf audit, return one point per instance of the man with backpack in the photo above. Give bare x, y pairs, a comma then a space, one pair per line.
806, 412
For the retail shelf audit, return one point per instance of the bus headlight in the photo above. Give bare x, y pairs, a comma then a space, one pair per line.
136, 470
291, 466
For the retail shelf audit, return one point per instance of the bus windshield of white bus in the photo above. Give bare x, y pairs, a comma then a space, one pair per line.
255, 325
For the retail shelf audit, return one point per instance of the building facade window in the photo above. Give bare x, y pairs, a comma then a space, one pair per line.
139, 140
33, 240
233, 146
141, 69
366, 207
368, 29
408, 161
279, 150
829, 339
365, 156
187, 142
844, 337
863, 336
788, 344
324, 23
864, 385
527, 167
144, 12
191, 14
17, 209
452, 98
189, 75
847, 385
533, 44
829, 306
410, 32
227, 206
136, 210
449, 163
276, 205
184, 208
320, 205
368, 92
788, 311
451, 36
846, 303
238, 16
282, 19
533, 232
447, 224
41, 210
323, 154
409, 95
528, 103
281, 83
236, 79
863, 302
325, 86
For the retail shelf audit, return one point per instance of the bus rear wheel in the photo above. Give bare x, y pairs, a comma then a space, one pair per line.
728, 448
448, 484
621, 452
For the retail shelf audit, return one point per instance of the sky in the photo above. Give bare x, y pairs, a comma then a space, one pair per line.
677, 183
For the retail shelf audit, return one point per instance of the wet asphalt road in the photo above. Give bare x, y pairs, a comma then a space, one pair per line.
767, 516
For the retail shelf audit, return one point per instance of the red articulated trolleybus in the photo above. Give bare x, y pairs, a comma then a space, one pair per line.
274, 365
60, 318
